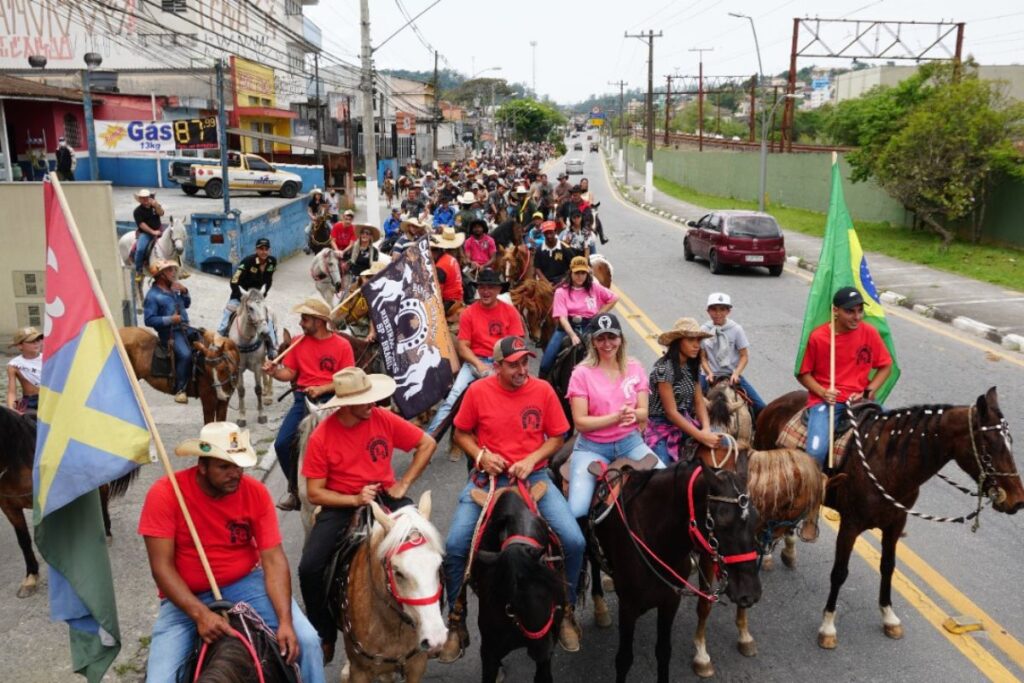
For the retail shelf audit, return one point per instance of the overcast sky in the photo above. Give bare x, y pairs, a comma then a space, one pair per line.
581, 47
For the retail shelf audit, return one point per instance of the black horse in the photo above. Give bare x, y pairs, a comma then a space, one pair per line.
520, 587
663, 516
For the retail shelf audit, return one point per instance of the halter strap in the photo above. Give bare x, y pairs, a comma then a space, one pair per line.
522, 540
248, 648
698, 536
533, 635
408, 544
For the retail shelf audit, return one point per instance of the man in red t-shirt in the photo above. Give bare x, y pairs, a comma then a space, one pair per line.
449, 273
863, 364
236, 523
509, 424
481, 325
310, 366
343, 233
348, 463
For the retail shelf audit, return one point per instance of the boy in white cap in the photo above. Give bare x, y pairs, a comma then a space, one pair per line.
727, 352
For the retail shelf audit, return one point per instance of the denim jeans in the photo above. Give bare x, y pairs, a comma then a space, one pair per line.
553, 509
817, 430
174, 633
582, 482
467, 375
288, 434
755, 398
547, 361
141, 247
182, 359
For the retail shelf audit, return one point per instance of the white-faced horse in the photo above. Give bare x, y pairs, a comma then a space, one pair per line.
326, 271
250, 330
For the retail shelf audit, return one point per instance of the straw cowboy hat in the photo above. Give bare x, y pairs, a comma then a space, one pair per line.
315, 308
374, 230
375, 268
26, 334
414, 223
221, 440
448, 239
160, 265
683, 328
353, 387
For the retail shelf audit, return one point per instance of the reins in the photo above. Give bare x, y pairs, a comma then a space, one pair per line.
248, 648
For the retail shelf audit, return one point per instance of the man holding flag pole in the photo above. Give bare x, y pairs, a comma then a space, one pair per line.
841, 359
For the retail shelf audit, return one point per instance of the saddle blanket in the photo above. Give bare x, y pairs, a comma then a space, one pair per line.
794, 435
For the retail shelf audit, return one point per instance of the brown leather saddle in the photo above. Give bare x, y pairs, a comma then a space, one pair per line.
610, 478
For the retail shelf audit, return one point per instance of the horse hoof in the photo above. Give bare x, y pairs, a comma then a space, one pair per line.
828, 641
767, 563
894, 631
747, 648
789, 559
704, 669
607, 583
262, 419
29, 586
240, 422
345, 673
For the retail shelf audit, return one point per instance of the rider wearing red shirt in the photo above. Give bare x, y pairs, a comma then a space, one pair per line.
343, 233
449, 274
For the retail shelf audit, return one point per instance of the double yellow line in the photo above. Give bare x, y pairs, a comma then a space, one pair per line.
971, 648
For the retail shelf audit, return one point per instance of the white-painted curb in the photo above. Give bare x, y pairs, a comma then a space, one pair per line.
973, 326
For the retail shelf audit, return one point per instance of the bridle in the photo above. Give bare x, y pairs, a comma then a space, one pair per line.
516, 619
414, 541
214, 361
248, 648
709, 543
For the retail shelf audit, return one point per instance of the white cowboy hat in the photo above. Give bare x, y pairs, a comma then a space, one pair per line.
353, 387
316, 190
221, 440
448, 239
143, 194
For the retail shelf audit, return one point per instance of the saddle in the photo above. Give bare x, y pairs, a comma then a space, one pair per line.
162, 362
149, 249
610, 479
794, 435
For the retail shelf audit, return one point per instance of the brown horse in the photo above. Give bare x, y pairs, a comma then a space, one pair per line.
389, 191
533, 299
215, 370
602, 269
728, 412
17, 451
892, 455
513, 262
319, 233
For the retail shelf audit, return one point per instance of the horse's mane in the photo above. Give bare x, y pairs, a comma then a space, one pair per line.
408, 521
530, 292
781, 477
719, 410
914, 425
18, 434
519, 561
229, 662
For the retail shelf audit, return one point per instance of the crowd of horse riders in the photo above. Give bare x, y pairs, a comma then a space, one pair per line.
522, 526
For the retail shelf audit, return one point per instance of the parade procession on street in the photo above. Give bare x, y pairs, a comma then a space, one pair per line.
499, 419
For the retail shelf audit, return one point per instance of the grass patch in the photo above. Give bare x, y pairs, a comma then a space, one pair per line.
996, 265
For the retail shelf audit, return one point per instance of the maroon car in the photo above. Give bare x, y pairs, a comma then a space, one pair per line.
736, 238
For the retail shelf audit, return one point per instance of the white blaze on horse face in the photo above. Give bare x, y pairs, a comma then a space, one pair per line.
420, 569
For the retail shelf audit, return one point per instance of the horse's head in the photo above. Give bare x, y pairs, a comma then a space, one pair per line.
411, 550
177, 235
254, 310
732, 520
533, 299
990, 454
219, 363
728, 411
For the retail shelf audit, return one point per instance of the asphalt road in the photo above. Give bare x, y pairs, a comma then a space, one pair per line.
949, 571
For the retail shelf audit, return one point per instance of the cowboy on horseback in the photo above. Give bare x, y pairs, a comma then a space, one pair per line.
234, 516
348, 464
165, 309
726, 354
255, 271
862, 364
509, 424
147, 227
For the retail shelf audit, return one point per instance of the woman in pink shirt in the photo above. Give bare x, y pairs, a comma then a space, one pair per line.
578, 298
608, 393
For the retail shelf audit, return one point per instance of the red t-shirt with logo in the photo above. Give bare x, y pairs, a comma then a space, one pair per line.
451, 288
482, 327
343, 234
858, 352
511, 423
349, 458
316, 360
233, 528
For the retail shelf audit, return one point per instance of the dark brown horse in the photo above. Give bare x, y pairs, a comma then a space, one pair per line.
533, 299
215, 372
251, 653
17, 451
892, 455
319, 235
661, 518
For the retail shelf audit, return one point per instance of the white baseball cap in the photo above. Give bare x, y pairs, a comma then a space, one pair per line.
719, 299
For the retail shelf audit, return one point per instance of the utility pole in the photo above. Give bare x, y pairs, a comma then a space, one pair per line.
533, 46
222, 123
700, 94
668, 104
753, 106
319, 119
369, 142
437, 108
649, 167
623, 166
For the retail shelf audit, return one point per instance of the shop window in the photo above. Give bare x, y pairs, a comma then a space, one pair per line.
175, 6
292, 8
72, 133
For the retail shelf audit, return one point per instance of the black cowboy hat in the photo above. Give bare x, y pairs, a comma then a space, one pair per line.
478, 221
489, 276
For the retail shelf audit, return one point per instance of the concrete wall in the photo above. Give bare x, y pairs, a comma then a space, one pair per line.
23, 256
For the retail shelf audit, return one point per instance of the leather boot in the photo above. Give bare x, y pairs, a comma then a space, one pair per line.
458, 637
569, 633
288, 502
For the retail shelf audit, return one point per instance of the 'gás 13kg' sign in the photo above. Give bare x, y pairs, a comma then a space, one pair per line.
156, 136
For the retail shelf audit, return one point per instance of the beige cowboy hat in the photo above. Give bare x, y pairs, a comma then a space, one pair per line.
221, 440
353, 387
314, 307
143, 194
413, 222
467, 198
26, 334
684, 327
374, 230
375, 268
160, 265
447, 239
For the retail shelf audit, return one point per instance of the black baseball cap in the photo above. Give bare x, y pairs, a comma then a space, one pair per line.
511, 349
263, 242
605, 323
847, 297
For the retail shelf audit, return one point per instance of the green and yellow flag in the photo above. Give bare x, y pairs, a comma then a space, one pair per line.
842, 264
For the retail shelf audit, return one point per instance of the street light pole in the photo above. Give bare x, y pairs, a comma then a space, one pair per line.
92, 60
369, 140
762, 189
533, 45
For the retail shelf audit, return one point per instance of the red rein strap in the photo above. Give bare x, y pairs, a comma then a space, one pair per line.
519, 538
249, 648
544, 630
698, 536
411, 543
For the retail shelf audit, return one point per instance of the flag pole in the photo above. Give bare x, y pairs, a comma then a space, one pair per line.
134, 382
832, 371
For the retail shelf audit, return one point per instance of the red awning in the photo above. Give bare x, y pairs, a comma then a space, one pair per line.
266, 112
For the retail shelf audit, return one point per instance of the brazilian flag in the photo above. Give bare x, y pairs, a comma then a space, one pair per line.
842, 264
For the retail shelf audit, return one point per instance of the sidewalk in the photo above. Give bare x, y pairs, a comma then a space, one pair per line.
975, 307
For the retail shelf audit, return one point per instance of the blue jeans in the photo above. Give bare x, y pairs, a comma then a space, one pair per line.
182, 358
553, 508
755, 398
141, 247
582, 482
174, 633
817, 430
555, 344
287, 436
467, 375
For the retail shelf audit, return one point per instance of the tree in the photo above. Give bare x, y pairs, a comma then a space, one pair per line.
530, 120
468, 93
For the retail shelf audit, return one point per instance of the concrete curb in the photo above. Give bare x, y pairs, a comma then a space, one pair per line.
1011, 342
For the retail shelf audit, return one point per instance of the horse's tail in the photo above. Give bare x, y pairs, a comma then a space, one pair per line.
784, 483
120, 486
